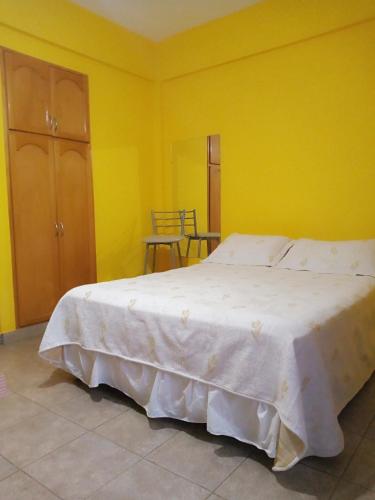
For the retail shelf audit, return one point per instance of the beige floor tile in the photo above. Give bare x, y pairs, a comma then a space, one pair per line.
336, 465
79, 468
19, 486
358, 414
53, 389
31, 334
350, 491
204, 459
361, 469
370, 433
256, 477
146, 481
24, 443
30, 371
23, 348
6, 468
12, 362
136, 432
90, 409
15, 408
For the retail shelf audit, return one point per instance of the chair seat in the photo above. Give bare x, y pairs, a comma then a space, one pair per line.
204, 236
163, 238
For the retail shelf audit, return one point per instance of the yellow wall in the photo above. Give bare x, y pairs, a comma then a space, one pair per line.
296, 122
67, 25
123, 109
264, 26
289, 85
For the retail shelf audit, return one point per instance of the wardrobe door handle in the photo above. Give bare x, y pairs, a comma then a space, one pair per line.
56, 229
49, 120
55, 124
62, 229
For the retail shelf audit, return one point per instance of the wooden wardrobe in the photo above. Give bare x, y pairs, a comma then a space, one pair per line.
50, 183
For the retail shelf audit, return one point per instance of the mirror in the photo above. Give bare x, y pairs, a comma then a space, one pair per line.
195, 185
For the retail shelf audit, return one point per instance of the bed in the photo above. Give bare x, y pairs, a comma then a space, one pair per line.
267, 355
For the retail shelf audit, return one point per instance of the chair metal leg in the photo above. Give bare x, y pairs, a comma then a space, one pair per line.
179, 253
199, 248
173, 257
188, 248
146, 259
154, 259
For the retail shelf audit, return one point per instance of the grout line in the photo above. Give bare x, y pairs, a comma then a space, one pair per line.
69, 419
146, 457
116, 475
161, 466
342, 477
233, 471
86, 431
45, 408
20, 469
351, 460
118, 444
124, 447
162, 444
11, 473
28, 475
94, 429
50, 452
368, 426
352, 457
329, 473
173, 436
43, 485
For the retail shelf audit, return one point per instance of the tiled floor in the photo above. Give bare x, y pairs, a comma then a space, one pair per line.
59, 439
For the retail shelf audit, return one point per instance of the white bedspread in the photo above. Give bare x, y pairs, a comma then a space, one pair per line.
300, 341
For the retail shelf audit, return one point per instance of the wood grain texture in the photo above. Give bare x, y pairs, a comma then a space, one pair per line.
70, 105
28, 92
74, 209
34, 226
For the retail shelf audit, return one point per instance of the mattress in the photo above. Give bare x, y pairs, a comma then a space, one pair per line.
294, 345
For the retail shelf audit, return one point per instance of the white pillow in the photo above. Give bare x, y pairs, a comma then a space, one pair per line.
333, 257
250, 250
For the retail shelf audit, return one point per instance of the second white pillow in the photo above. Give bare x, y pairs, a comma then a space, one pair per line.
250, 250
332, 257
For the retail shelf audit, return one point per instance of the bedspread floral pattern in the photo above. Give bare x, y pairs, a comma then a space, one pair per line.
301, 341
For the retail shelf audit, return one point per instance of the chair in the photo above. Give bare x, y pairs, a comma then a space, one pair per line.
162, 221
191, 215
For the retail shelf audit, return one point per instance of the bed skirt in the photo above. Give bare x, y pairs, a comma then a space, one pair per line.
165, 394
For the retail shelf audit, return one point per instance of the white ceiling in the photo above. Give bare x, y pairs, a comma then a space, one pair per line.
158, 19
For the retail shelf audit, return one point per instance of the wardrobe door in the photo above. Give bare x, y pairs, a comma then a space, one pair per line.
28, 93
70, 105
35, 238
75, 214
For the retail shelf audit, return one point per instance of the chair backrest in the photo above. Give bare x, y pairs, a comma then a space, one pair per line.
190, 220
163, 220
